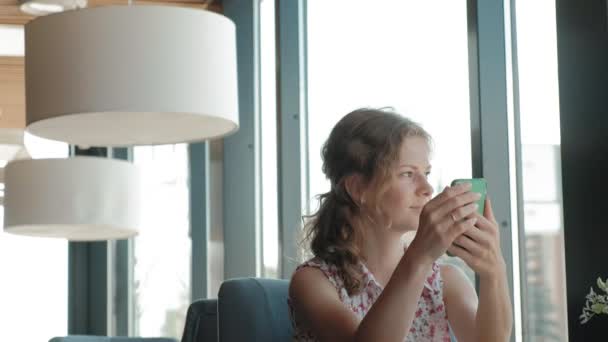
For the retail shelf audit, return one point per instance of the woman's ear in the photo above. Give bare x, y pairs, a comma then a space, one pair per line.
355, 187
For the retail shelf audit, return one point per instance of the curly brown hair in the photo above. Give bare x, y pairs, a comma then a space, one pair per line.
364, 142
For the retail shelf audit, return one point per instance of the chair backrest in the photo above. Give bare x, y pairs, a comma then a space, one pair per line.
201, 321
91, 338
254, 309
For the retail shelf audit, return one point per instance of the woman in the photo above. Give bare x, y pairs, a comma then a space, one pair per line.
363, 283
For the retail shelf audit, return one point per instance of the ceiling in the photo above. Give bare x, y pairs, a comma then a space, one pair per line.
11, 15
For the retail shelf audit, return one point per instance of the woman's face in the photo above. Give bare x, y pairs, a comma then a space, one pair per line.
408, 190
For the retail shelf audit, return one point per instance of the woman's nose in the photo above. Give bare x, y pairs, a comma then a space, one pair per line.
425, 188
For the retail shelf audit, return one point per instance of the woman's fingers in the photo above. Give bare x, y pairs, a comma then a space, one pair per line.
462, 253
463, 212
457, 216
485, 225
455, 204
488, 212
472, 246
460, 228
446, 194
453, 210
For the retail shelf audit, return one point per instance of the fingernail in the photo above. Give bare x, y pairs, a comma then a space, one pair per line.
465, 185
477, 195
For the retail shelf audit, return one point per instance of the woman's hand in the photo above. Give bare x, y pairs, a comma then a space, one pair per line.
443, 219
480, 247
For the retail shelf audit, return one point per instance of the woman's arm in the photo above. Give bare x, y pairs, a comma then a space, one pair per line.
460, 302
480, 249
471, 319
494, 317
391, 316
319, 308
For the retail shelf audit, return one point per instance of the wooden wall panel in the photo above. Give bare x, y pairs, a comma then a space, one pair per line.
12, 92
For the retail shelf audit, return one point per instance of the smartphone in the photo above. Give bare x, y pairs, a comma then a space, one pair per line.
478, 185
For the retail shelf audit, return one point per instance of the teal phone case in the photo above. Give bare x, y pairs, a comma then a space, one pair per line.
479, 185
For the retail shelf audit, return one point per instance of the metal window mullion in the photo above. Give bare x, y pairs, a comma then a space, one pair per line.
122, 323
199, 159
241, 175
489, 114
516, 161
292, 133
88, 277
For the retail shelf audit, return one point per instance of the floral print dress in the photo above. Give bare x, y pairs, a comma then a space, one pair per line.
430, 321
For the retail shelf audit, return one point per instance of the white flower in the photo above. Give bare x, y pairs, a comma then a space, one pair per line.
596, 303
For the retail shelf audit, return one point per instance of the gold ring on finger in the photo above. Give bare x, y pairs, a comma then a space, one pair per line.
453, 218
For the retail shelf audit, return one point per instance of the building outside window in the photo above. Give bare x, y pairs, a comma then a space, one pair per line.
543, 240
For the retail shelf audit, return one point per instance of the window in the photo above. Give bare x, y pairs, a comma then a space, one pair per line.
544, 267
35, 284
162, 249
412, 56
34, 273
270, 223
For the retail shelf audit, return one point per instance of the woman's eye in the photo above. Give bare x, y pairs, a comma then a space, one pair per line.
427, 174
408, 174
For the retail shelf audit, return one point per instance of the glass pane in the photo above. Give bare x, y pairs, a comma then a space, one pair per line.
34, 271
163, 247
34, 287
545, 289
270, 218
391, 54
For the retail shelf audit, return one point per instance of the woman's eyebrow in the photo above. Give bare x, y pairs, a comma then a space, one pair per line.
414, 166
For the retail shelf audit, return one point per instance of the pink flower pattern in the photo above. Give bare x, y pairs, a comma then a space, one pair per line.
430, 322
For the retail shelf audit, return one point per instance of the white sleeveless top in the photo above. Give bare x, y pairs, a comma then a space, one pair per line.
430, 322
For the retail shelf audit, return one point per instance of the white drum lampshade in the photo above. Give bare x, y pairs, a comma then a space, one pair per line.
131, 75
44, 7
80, 198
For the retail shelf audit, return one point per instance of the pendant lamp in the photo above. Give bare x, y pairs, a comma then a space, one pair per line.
115, 76
44, 7
131, 75
80, 198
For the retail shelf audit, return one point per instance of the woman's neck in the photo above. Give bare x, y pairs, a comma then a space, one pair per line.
382, 251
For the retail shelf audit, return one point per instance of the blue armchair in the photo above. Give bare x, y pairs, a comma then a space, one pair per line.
254, 309
201, 321
247, 309
90, 338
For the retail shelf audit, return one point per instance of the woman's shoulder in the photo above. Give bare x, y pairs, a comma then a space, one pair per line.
315, 267
316, 262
